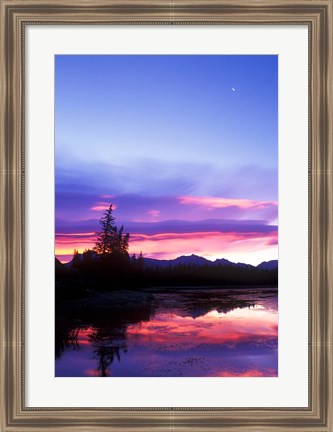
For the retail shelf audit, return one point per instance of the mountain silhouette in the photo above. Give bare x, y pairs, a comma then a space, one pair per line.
268, 265
200, 261
181, 260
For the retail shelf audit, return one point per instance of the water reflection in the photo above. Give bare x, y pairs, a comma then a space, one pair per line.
107, 345
189, 333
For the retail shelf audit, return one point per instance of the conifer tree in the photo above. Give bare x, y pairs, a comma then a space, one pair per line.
110, 239
105, 238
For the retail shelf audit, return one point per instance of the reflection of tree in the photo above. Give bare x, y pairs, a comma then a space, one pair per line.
107, 344
66, 338
106, 317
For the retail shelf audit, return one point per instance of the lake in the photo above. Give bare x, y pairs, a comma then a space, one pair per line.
178, 332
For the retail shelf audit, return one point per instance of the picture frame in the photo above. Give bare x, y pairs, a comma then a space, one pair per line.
15, 16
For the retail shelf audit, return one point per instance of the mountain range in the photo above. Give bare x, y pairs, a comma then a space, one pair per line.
200, 261
184, 260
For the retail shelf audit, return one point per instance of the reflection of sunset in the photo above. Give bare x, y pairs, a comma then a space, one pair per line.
239, 325
247, 373
92, 373
185, 339
83, 336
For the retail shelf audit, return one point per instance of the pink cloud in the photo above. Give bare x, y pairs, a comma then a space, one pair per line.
88, 234
197, 236
75, 239
107, 196
154, 213
216, 202
102, 206
272, 242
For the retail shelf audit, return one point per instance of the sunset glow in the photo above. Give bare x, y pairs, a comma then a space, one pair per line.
210, 245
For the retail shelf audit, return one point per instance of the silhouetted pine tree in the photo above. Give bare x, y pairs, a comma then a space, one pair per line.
110, 239
105, 238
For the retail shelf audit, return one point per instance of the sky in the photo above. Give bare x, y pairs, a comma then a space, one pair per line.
185, 147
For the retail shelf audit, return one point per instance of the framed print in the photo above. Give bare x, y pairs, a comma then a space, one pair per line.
164, 278
166, 208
